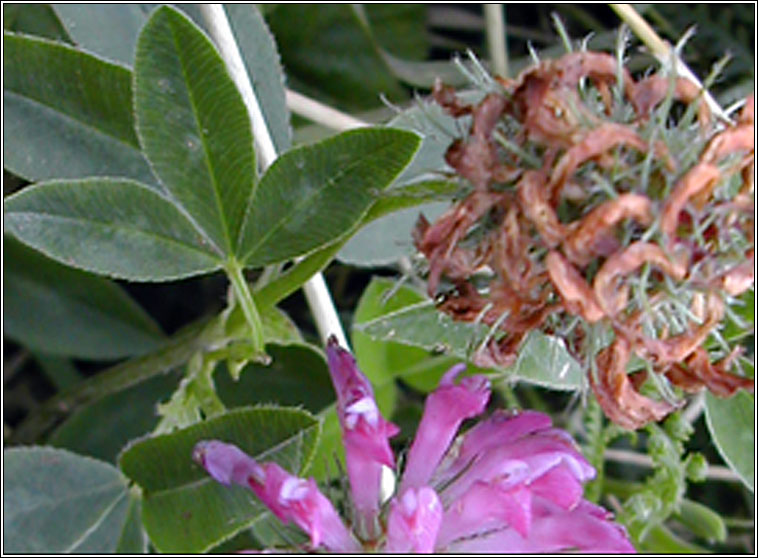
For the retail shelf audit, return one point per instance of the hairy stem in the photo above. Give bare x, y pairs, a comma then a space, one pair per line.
246, 302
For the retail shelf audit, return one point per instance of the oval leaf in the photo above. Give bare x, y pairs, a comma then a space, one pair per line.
330, 53
314, 194
184, 509
67, 114
732, 426
109, 226
109, 30
56, 501
64, 311
193, 125
543, 359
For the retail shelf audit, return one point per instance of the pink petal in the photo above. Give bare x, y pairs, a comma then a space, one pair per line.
501, 428
226, 463
414, 521
485, 507
365, 434
445, 409
522, 461
290, 498
554, 530
559, 485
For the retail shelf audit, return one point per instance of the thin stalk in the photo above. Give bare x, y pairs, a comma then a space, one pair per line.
177, 350
245, 300
714, 472
316, 293
321, 113
663, 52
496, 41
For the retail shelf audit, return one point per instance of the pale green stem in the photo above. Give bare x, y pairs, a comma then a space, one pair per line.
245, 299
714, 472
663, 51
496, 43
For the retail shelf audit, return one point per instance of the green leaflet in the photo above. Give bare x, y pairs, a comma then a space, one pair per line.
113, 227
58, 121
314, 194
193, 125
184, 509
54, 308
55, 501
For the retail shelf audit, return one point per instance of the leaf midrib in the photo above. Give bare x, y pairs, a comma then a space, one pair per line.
206, 155
106, 225
70, 118
330, 182
103, 488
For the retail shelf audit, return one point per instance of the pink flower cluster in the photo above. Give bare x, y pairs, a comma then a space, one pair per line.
510, 484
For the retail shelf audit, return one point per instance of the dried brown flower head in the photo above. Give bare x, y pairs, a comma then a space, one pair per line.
629, 219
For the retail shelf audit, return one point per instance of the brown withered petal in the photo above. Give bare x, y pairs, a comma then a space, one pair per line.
734, 140
578, 297
589, 237
595, 143
611, 296
476, 158
679, 347
699, 178
650, 91
739, 278
446, 97
534, 200
620, 401
699, 372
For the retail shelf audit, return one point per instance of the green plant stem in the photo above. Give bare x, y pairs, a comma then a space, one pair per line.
245, 299
174, 353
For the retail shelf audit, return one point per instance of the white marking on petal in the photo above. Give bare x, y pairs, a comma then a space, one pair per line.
293, 489
364, 407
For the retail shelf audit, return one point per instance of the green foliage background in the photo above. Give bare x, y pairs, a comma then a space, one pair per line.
133, 196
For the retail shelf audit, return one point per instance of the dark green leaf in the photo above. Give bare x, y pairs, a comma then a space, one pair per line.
109, 226
732, 426
60, 370
108, 30
103, 428
193, 125
413, 195
67, 114
297, 376
399, 28
56, 309
328, 53
133, 538
312, 195
261, 60
55, 501
34, 19
184, 510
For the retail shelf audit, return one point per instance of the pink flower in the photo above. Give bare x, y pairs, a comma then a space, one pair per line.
511, 484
